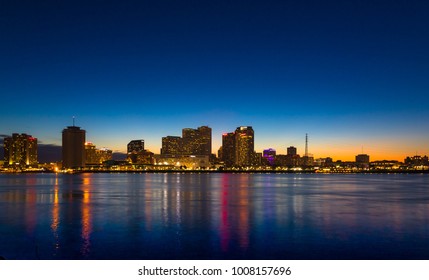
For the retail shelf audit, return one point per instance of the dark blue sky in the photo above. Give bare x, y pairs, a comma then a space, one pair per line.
349, 73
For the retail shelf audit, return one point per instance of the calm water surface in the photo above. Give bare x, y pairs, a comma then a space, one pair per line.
214, 216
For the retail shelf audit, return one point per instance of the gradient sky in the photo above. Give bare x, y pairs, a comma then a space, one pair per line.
354, 75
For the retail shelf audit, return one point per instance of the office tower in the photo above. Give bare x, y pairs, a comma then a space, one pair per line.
73, 147
244, 146
193, 142
197, 141
90, 153
292, 158
362, 160
270, 156
171, 145
228, 149
20, 150
135, 146
134, 149
291, 150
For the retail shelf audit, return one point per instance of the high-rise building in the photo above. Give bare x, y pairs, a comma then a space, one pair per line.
135, 146
134, 149
193, 142
197, 141
291, 150
244, 146
270, 156
171, 145
20, 150
362, 160
73, 147
90, 153
228, 149
292, 158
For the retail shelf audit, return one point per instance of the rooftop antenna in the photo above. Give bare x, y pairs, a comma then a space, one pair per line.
306, 145
73, 120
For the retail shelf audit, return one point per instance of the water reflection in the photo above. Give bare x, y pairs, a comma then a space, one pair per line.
220, 216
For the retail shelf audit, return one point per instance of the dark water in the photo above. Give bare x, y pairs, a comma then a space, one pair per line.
214, 216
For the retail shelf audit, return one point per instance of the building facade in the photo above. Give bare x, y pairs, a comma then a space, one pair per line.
244, 146
20, 151
193, 142
270, 156
73, 149
171, 145
228, 149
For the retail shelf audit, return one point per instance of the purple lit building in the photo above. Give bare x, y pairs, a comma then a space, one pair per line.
270, 156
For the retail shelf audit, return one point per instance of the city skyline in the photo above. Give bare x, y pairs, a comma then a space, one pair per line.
298, 149
351, 75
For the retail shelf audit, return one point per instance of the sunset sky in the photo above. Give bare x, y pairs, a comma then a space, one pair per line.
354, 75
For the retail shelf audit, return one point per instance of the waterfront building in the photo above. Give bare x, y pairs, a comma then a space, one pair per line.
193, 142
291, 151
94, 156
73, 148
90, 153
135, 146
244, 146
197, 141
362, 160
104, 154
171, 145
270, 156
20, 150
188, 162
228, 149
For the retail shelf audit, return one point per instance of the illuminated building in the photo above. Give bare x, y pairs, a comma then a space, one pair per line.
244, 146
270, 156
362, 160
135, 146
96, 156
292, 159
73, 149
20, 150
90, 153
171, 145
228, 149
197, 141
103, 155
189, 162
193, 142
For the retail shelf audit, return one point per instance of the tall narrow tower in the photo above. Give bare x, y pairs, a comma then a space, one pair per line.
73, 147
306, 145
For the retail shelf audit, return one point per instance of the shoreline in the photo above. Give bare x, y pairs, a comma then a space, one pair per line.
231, 171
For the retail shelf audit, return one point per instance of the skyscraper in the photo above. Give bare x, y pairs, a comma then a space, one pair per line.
228, 149
135, 146
20, 150
171, 145
244, 146
197, 141
73, 147
134, 149
193, 142
90, 153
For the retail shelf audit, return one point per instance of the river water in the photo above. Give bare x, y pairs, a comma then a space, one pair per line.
214, 216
